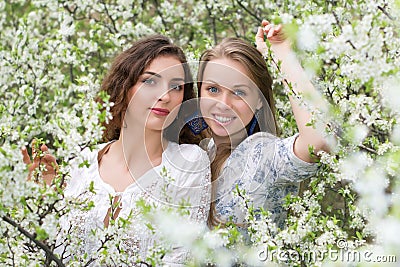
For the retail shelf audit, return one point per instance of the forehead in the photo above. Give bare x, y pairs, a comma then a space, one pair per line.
227, 72
168, 66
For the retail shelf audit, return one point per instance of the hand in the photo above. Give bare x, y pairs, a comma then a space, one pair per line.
40, 158
274, 35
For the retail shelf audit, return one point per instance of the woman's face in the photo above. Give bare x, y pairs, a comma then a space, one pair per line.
155, 98
228, 97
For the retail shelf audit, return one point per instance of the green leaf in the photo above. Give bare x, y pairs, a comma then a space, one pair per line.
41, 234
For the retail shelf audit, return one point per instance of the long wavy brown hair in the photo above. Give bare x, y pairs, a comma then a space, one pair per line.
247, 55
124, 73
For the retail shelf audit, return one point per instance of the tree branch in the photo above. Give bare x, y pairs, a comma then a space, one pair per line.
248, 11
31, 237
160, 14
212, 18
114, 26
385, 12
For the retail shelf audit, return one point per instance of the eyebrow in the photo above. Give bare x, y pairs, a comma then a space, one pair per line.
178, 79
235, 86
159, 76
152, 73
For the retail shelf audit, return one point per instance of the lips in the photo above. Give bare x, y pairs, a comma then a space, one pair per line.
223, 119
160, 111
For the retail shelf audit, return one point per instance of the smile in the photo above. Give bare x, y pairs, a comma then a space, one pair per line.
222, 119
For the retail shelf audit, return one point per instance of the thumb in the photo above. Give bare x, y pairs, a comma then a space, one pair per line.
260, 43
259, 35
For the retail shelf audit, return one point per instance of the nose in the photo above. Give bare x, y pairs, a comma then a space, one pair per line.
224, 101
165, 96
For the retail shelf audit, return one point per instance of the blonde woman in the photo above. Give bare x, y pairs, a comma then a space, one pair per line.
236, 101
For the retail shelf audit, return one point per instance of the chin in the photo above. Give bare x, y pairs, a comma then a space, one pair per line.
220, 133
153, 127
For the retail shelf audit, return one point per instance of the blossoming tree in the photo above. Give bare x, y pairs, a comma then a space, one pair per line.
55, 53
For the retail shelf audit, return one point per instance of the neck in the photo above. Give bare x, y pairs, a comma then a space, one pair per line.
139, 144
234, 140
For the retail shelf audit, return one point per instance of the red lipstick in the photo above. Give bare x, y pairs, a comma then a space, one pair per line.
160, 111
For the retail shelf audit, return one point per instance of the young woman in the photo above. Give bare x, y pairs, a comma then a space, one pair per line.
147, 84
237, 103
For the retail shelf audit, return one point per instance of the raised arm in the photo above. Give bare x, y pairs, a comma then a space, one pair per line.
296, 76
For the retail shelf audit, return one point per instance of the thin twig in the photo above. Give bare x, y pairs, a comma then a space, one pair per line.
368, 149
214, 27
341, 29
157, 4
385, 12
110, 17
248, 11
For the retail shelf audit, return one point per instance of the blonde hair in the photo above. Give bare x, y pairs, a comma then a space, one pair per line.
247, 55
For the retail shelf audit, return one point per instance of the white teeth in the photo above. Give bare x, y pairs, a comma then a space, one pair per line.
223, 119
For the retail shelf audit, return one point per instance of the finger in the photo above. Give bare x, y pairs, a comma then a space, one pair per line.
260, 42
268, 27
25, 156
48, 179
49, 159
277, 31
274, 31
260, 35
264, 22
44, 148
271, 32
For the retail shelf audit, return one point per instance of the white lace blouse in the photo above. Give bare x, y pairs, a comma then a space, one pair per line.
189, 180
266, 167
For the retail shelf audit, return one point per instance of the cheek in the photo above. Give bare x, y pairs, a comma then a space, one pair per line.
139, 96
176, 101
177, 97
244, 111
205, 105
131, 93
133, 99
175, 104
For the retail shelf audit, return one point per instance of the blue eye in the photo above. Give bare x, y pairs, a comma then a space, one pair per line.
239, 93
149, 81
176, 87
212, 89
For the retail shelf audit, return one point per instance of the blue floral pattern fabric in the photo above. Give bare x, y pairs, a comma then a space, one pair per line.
266, 168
